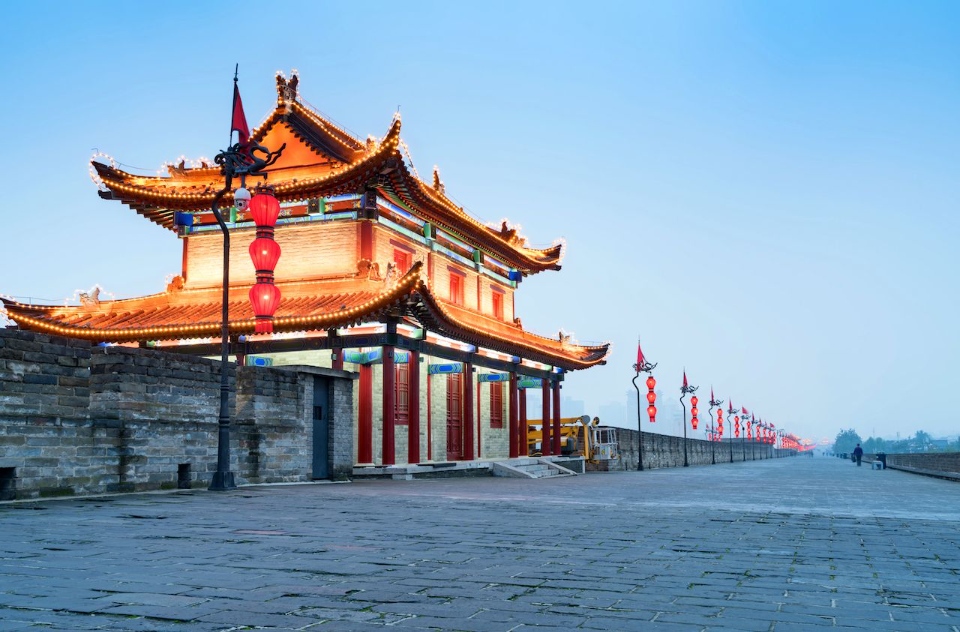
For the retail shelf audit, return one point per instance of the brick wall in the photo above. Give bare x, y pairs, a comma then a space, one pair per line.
80, 419
306, 253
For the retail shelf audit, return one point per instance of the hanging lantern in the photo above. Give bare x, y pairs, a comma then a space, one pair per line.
651, 399
264, 208
265, 253
694, 412
265, 298
736, 426
719, 423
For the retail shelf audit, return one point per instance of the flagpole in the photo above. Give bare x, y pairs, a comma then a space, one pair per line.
233, 106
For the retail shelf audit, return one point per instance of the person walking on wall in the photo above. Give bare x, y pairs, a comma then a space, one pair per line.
858, 454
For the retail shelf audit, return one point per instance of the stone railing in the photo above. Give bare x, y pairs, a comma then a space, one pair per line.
667, 451
941, 464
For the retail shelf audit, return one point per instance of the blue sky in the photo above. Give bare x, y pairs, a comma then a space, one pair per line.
765, 192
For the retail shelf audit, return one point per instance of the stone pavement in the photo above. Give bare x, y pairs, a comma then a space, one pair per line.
785, 544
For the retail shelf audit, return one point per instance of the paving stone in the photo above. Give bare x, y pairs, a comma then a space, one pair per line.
654, 550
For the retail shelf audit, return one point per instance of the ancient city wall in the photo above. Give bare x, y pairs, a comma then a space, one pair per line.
944, 464
667, 451
82, 419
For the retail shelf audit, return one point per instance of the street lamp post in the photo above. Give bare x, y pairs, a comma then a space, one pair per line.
730, 417
714, 402
240, 160
683, 393
742, 432
646, 367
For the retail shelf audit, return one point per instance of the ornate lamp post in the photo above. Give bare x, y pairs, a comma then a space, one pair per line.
730, 419
237, 161
714, 402
646, 367
753, 453
683, 393
743, 437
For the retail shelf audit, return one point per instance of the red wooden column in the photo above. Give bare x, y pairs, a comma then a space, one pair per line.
546, 443
556, 417
429, 417
389, 406
365, 415
413, 434
479, 425
468, 427
514, 430
523, 445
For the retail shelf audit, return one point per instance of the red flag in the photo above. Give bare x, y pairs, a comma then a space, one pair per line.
743, 409
640, 357
239, 122
730, 410
712, 398
684, 379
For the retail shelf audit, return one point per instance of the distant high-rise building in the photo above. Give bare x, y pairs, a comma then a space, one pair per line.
570, 407
613, 414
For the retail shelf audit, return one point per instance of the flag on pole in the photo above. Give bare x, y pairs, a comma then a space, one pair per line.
743, 409
239, 122
712, 398
640, 358
684, 379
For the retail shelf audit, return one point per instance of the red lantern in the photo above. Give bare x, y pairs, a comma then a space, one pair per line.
720, 422
694, 412
265, 298
265, 253
651, 399
265, 208
736, 427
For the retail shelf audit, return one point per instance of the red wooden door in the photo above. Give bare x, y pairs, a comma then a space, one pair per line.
454, 417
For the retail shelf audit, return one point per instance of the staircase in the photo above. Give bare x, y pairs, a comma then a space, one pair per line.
530, 468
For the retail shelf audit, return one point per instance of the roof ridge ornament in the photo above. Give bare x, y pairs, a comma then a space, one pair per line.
287, 89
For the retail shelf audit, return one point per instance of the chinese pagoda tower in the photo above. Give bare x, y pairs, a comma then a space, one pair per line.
381, 275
